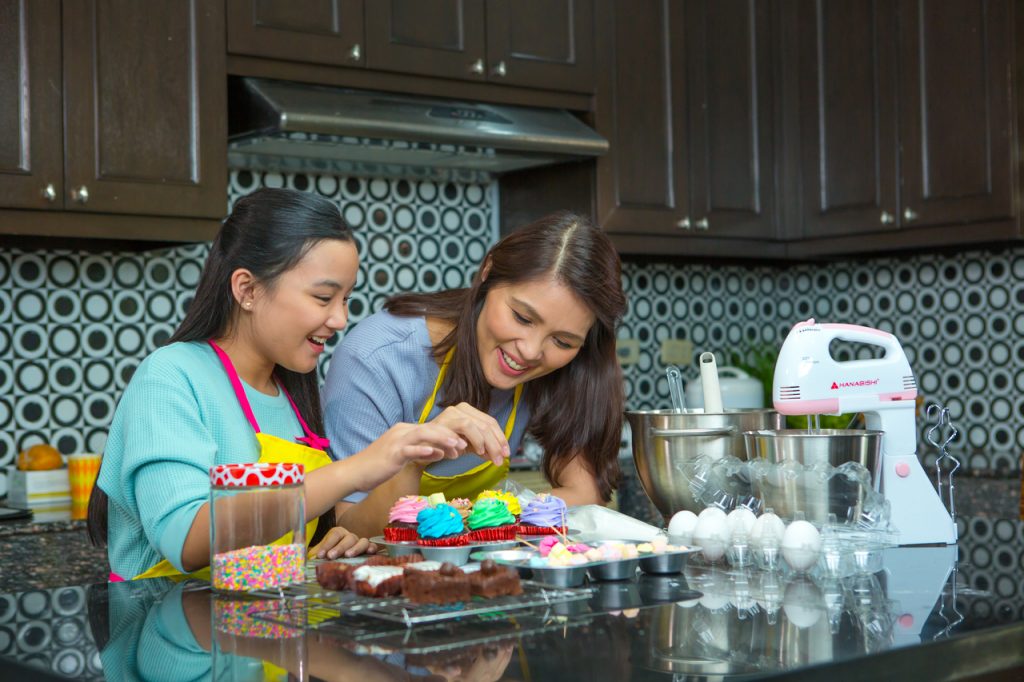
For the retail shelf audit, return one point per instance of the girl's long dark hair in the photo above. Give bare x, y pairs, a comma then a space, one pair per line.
267, 233
578, 409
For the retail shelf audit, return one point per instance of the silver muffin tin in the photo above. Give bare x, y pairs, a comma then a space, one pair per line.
458, 556
573, 576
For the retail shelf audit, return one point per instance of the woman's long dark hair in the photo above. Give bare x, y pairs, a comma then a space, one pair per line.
267, 233
578, 409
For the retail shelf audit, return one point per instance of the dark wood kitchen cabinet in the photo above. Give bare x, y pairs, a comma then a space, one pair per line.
117, 107
532, 43
318, 31
905, 123
543, 44
689, 110
31, 148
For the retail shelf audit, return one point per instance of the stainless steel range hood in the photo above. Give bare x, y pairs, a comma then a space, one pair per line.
284, 126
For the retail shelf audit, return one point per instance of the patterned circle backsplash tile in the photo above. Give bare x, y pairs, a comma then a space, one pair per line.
76, 325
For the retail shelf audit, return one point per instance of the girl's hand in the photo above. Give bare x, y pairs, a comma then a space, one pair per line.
340, 542
483, 433
402, 444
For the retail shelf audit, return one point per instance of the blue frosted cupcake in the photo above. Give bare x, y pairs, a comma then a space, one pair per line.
441, 526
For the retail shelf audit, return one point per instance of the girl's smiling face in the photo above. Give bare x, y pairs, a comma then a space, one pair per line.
292, 320
529, 329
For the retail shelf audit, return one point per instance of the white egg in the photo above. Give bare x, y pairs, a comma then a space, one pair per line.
803, 603
767, 531
712, 535
711, 511
681, 526
741, 520
801, 544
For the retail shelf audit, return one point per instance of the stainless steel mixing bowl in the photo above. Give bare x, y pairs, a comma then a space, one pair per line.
664, 441
806, 489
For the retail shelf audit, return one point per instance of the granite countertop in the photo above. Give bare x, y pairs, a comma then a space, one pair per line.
49, 554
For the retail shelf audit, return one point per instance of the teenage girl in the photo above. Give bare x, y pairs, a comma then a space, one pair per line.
236, 383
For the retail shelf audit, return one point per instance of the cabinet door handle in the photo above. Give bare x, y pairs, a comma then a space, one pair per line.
500, 70
683, 224
356, 53
477, 66
80, 194
886, 218
702, 224
49, 192
909, 214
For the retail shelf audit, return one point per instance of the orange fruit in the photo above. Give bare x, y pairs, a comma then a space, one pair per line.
40, 458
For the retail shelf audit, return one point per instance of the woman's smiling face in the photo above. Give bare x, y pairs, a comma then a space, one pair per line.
306, 306
529, 329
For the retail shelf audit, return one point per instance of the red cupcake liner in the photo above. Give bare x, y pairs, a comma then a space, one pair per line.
399, 534
494, 534
527, 529
448, 541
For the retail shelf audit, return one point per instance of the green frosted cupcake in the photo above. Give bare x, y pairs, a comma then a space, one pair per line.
491, 521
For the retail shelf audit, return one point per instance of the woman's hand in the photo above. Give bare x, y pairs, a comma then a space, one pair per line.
483, 433
342, 542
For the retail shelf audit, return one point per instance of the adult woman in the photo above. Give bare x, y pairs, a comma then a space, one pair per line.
236, 384
528, 347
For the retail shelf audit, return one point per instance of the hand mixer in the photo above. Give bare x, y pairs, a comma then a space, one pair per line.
809, 381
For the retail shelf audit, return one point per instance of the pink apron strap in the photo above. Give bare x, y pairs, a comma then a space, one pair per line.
236, 384
311, 439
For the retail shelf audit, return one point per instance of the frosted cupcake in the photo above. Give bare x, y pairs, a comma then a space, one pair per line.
490, 521
402, 518
543, 515
463, 506
510, 500
440, 526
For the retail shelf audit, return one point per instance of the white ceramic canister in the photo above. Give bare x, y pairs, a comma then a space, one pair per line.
739, 390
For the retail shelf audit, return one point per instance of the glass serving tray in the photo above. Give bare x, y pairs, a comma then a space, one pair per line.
311, 611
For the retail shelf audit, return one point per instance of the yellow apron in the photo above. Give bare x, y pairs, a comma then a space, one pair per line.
470, 483
273, 450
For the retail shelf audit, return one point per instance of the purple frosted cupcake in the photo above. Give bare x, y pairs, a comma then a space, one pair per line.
543, 515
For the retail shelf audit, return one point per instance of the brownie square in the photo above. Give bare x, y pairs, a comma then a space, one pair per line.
334, 575
493, 580
377, 581
446, 585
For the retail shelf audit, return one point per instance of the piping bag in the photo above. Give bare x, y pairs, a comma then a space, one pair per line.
709, 384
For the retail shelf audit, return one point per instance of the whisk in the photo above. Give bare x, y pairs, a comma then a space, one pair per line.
674, 375
943, 424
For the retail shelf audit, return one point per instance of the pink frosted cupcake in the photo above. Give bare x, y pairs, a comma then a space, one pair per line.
402, 518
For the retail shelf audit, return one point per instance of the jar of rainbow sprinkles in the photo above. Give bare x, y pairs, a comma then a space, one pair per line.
257, 526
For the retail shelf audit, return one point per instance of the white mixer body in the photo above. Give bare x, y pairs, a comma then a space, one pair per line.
808, 381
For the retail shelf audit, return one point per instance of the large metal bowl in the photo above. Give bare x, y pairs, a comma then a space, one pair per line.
804, 488
665, 440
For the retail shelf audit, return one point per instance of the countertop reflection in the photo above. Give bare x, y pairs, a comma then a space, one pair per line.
902, 608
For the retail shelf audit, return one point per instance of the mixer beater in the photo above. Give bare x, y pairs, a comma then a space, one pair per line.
943, 424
